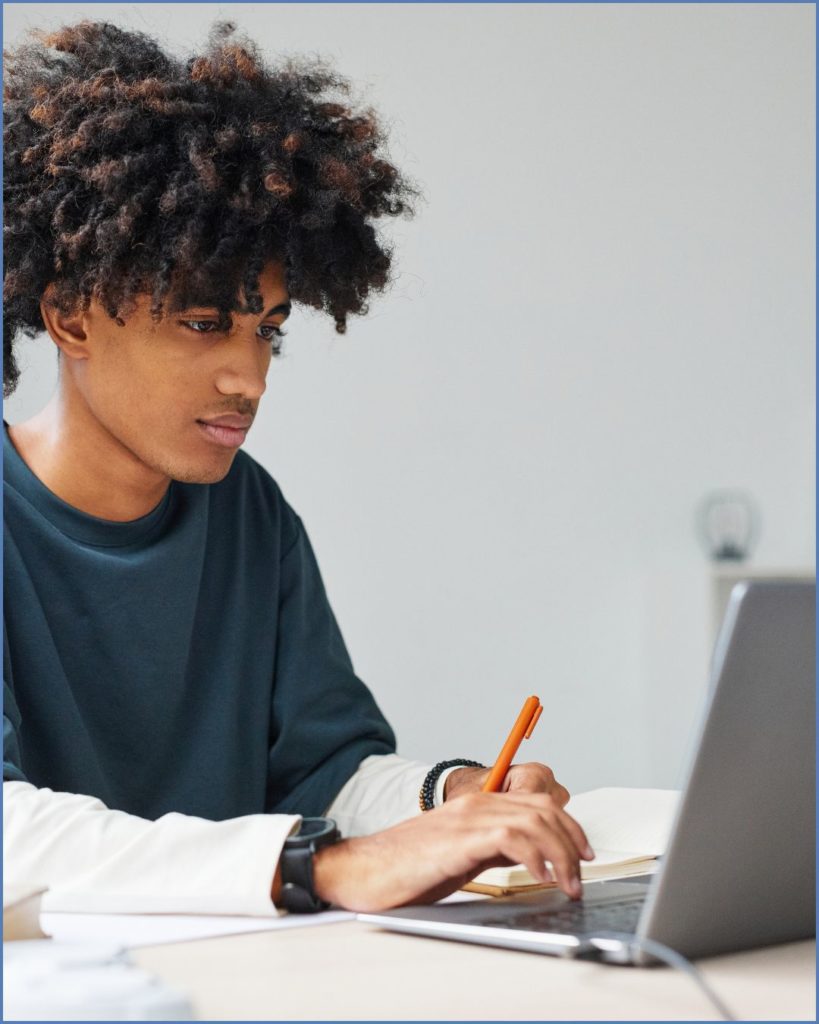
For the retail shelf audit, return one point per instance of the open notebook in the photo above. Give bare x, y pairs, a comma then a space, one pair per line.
627, 828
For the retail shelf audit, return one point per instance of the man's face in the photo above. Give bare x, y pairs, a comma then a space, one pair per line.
151, 385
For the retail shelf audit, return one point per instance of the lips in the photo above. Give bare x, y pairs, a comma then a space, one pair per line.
221, 434
229, 420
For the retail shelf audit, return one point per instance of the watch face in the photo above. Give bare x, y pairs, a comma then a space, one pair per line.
312, 828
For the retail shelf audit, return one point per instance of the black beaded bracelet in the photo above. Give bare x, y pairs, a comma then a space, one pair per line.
426, 798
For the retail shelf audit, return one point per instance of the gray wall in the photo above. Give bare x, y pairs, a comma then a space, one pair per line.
604, 310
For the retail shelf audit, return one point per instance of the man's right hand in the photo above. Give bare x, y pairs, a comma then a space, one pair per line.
429, 856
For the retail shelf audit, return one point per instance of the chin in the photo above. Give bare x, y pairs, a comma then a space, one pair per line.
202, 474
188, 469
188, 463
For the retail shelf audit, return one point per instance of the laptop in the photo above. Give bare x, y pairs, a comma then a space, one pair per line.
739, 868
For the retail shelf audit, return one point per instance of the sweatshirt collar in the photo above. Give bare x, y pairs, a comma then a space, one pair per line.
72, 521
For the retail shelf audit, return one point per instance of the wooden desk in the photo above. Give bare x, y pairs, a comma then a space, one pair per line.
354, 971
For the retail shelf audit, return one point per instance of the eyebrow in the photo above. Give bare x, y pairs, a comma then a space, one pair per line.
283, 307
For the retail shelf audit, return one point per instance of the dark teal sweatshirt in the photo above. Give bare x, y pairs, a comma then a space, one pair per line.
185, 661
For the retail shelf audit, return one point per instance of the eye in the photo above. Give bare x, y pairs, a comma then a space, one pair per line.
268, 332
200, 326
274, 335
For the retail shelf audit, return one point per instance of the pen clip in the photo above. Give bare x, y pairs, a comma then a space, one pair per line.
533, 722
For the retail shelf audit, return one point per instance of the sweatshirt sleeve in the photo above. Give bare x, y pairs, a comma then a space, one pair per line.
97, 860
324, 719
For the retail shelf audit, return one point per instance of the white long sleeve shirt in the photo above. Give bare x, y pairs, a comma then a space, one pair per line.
97, 860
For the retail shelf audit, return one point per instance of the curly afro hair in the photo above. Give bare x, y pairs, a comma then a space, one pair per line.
131, 172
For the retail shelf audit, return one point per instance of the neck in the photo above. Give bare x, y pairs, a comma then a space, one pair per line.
77, 459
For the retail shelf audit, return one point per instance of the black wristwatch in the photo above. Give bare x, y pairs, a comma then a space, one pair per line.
296, 863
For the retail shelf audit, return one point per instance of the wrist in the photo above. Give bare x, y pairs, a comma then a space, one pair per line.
359, 874
431, 788
441, 785
328, 870
462, 780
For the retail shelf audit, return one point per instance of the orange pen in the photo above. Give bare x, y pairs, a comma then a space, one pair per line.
521, 730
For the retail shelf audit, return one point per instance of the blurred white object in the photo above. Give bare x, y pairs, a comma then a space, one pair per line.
44, 980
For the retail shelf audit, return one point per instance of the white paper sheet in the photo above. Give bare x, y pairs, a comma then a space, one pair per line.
626, 819
133, 930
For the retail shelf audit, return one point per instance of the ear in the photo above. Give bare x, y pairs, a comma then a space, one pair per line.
66, 330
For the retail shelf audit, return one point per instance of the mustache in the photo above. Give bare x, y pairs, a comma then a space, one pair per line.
244, 409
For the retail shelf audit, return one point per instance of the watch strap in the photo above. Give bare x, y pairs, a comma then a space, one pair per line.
298, 894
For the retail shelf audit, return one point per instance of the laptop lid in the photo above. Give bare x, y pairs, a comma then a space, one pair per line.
740, 867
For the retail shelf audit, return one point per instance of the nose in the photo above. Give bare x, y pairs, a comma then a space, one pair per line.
244, 368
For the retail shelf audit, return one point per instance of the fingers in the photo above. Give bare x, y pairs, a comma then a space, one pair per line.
546, 805
558, 848
561, 794
531, 777
522, 848
563, 857
535, 778
528, 829
561, 841
578, 836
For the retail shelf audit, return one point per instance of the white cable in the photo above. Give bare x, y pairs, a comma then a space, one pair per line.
660, 952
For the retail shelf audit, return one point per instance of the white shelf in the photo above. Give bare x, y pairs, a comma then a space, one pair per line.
742, 571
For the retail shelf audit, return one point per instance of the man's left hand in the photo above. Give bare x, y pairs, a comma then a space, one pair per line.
521, 778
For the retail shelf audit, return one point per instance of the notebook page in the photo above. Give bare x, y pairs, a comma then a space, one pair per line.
635, 821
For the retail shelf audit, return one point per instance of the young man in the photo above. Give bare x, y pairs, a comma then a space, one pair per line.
177, 691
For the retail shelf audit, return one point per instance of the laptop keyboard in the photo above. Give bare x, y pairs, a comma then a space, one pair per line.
574, 918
